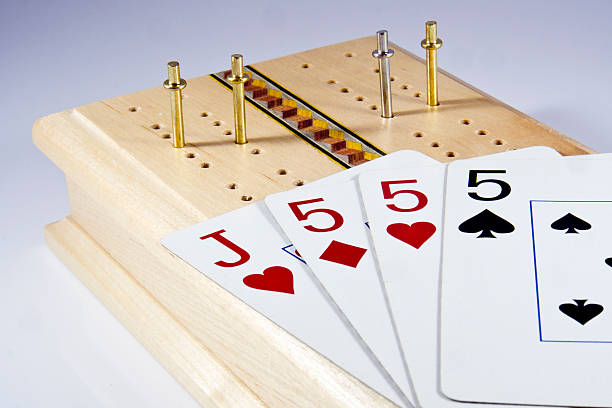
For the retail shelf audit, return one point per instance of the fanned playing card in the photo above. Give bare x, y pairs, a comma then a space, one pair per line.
404, 209
526, 282
246, 253
326, 223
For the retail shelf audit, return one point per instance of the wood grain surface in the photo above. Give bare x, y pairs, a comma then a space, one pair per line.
128, 188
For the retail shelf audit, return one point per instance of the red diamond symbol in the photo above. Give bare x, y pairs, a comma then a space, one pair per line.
344, 254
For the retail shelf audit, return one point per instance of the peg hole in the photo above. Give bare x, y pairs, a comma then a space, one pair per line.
404, 86
190, 155
482, 132
331, 81
348, 54
305, 66
155, 126
435, 144
133, 109
418, 134
465, 122
246, 198
298, 182
204, 114
498, 142
450, 154
216, 123
376, 70
392, 78
166, 136
255, 151
417, 94
344, 90
359, 98
281, 172
227, 132
373, 107
204, 165
232, 186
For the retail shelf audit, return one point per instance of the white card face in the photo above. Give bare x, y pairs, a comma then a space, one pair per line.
405, 208
327, 225
524, 307
573, 266
246, 253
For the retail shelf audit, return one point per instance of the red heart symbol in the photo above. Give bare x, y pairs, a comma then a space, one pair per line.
274, 278
414, 235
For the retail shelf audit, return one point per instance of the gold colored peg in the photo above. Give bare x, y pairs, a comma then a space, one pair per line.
431, 43
175, 85
237, 79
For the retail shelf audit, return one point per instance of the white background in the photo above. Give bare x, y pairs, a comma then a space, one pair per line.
59, 347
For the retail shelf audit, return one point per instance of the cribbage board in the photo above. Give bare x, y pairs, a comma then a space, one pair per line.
309, 115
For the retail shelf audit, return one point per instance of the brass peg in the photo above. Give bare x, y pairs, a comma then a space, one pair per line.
237, 79
431, 43
175, 85
382, 53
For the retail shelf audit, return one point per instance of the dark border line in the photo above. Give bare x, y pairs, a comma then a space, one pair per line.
295, 132
535, 268
344, 128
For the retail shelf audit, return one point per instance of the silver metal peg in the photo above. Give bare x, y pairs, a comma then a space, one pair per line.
383, 53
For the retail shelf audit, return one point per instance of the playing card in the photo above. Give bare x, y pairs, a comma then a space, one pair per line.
246, 253
328, 227
524, 297
404, 208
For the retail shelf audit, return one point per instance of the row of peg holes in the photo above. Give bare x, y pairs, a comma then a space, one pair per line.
206, 165
376, 71
233, 186
362, 98
482, 132
346, 54
467, 122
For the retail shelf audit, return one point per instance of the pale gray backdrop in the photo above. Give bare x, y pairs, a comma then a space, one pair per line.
59, 347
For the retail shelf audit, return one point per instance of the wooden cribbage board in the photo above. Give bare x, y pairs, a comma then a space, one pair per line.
310, 114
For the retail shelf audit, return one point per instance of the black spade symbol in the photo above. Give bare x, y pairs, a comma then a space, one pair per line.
571, 223
486, 223
580, 312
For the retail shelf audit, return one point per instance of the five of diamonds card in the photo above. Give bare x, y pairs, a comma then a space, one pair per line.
483, 282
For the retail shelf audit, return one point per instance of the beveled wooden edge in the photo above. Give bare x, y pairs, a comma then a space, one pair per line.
128, 208
209, 381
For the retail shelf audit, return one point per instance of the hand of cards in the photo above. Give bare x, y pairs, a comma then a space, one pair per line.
485, 281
